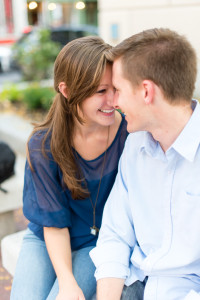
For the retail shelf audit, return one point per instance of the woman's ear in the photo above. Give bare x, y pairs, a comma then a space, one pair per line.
63, 89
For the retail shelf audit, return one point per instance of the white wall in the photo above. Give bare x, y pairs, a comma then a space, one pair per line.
128, 17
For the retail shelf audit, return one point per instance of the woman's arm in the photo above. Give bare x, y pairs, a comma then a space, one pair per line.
59, 249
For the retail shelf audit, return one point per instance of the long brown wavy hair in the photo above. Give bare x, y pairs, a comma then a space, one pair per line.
80, 65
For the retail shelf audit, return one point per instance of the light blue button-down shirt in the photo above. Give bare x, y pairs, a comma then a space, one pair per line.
151, 221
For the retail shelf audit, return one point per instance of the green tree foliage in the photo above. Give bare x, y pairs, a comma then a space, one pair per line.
35, 97
36, 59
11, 93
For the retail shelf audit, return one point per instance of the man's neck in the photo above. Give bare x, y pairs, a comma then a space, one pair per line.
169, 124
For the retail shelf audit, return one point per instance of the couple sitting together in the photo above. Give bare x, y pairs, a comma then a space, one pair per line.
117, 152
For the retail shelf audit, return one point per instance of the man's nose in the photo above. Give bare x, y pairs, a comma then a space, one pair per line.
115, 101
110, 97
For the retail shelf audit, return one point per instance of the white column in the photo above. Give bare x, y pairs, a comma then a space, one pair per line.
20, 16
2, 19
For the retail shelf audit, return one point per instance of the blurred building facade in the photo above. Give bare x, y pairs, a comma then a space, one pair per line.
120, 19
13, 18
17, 16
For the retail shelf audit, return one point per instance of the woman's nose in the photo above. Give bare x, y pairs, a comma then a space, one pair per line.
110, 97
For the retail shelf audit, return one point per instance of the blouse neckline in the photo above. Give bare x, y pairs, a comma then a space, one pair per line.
102, 154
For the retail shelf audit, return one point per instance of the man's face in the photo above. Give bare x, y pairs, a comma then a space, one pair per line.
128, 99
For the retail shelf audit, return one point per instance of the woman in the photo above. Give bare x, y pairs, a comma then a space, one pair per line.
71, 167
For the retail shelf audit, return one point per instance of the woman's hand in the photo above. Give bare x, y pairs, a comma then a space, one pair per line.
59, 249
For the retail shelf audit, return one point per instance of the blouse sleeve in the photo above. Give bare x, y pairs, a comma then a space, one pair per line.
45, 201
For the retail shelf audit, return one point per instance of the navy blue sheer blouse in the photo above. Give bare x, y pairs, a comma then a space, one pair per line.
47, 204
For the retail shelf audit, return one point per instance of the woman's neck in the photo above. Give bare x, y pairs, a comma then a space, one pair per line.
91, 141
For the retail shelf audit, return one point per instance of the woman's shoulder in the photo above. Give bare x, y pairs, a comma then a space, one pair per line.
37, 138
39, 148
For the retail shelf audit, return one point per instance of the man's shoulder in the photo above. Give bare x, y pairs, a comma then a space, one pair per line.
136, 140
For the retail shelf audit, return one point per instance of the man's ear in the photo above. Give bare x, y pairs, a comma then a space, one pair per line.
149, 91
63, 89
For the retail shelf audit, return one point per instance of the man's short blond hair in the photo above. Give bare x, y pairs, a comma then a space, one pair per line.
163, 56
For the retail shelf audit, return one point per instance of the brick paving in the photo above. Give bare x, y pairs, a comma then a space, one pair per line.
5, 277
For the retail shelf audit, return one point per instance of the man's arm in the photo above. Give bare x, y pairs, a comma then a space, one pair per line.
117, 237
191, 296
109, 288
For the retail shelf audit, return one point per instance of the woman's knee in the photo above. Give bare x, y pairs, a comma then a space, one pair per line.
34, 274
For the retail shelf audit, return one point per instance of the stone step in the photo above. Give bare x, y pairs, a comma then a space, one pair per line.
10, 248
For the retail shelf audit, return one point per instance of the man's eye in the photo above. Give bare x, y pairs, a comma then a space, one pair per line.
101, 91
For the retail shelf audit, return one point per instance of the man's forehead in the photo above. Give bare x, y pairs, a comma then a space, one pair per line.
117, 66
117, 71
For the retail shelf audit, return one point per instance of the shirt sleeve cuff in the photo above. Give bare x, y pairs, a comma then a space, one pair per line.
114, 252
111, 270
113, 260
192, 296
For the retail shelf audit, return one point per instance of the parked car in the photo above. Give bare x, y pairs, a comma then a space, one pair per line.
5, 58
65, 34
62, 34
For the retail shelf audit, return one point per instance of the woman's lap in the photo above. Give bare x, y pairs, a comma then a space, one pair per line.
35, 277
83, 270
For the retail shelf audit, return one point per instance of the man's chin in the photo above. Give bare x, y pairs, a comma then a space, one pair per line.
130, 130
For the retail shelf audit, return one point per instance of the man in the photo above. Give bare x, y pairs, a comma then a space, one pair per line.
151, 225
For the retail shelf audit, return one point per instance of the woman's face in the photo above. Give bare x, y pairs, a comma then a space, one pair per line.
99, 107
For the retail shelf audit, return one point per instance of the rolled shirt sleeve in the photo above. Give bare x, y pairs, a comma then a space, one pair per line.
192, 296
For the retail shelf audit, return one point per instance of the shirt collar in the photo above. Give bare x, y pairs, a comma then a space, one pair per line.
188, 140
186, 143
148, 144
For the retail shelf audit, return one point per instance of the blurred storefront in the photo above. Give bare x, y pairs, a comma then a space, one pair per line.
60, 12
17, 16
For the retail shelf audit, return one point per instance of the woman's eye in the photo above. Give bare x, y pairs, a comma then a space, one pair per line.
101, 91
